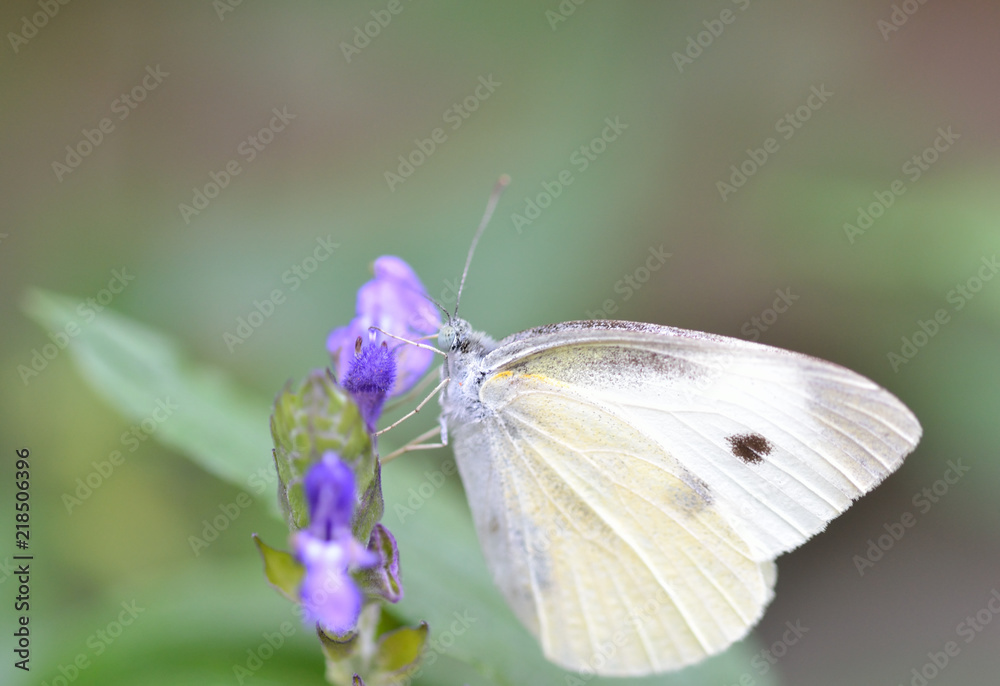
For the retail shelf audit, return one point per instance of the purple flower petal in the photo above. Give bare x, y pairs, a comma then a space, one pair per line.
395, 301
329, 595
329, 490
370, 378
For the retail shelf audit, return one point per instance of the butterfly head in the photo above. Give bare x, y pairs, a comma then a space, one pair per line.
453, 333
465, 349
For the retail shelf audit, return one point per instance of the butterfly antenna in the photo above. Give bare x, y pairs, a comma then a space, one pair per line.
490, 207
446, 313
429, 299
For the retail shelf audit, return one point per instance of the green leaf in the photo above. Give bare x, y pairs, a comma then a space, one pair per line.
282, 570
219, 425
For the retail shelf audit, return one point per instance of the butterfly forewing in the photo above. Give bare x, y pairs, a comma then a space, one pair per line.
784, 441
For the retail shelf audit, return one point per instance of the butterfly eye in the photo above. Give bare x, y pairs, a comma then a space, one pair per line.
357, 346
446, 337
385, 344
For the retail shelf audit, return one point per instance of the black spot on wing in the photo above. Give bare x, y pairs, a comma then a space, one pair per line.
751, 448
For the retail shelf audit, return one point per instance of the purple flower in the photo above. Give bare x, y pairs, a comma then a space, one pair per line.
327, 548
370, 378
395, 301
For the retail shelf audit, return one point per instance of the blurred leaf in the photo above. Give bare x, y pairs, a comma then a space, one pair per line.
194, 626
221, 427
281, 569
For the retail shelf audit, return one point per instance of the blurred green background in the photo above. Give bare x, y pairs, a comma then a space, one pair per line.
215, 72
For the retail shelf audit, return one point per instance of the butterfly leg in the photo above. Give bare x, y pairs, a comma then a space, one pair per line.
414, 392
408, 341
444, 429
415, 444
415, 410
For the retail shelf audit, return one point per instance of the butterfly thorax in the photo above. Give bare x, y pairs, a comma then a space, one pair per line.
464, 366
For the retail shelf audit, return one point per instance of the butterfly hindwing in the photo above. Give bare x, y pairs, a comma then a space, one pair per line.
606, 548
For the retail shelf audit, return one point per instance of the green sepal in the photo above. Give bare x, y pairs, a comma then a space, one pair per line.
384, 662
350, 654
308, 421
282, 570
382, 580
338, 648
371, 508
399, 652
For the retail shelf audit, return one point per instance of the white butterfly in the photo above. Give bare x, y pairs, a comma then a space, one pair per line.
631, 484
609, 464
